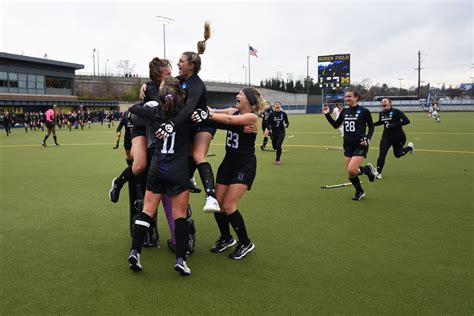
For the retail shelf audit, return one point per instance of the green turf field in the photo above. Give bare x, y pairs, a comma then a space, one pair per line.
405, 249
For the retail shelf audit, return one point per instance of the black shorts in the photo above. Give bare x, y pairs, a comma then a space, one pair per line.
127, 142
352, 149
50, 125
198, 128
237, 169
138, 131
165, 186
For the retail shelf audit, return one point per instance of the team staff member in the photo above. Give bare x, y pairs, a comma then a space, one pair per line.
277, 122
356, 141
265, 126
393, 134
169, 175
236, 172
49, 122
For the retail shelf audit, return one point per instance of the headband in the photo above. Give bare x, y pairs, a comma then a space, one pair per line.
250, 94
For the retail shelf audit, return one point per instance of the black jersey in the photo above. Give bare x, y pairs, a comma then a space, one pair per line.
355, 119
392, 121
238, 142
170, 159
127, 123
267, 113
278, 121
152, 92
195, 97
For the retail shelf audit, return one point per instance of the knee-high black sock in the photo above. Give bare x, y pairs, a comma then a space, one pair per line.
192, 166
207, 178
356, 182
141, 227
237, 222
26, 129
406, 150
181, 231
380, 164
45, 138
222, 221
55, 139
278, 154
364, 170
265, 141
126, 175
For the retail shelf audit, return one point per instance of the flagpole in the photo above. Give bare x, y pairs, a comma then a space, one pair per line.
248, 53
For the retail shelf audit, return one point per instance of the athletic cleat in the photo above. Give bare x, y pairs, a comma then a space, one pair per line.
242, 250
277, 162
43, 144
212, 206
181, 267
262, 147
222, 244
378, 175
372, 172
56, 144
358, 196
412, 146
114, 192
134, 260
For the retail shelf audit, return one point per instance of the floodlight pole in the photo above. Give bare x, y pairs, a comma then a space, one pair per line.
93, 59
307, 75
164, 20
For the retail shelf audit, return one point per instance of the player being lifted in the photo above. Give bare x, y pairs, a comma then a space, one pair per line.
393, 134
356, 120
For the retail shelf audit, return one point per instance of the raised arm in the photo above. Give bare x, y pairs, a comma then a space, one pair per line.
334, 123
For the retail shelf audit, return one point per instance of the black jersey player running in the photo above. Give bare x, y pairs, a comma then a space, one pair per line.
356, 141
393, 134
236, 172
265, 126
169, 175
278, 121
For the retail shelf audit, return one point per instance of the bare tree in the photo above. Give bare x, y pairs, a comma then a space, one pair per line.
125, 67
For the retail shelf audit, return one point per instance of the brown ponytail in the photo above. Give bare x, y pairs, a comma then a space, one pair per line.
194, 58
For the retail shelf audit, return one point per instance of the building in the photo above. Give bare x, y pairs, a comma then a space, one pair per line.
30, 84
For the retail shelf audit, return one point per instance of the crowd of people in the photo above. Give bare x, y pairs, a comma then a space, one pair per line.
36, 121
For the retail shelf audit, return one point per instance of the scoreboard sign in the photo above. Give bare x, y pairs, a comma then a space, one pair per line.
334, 71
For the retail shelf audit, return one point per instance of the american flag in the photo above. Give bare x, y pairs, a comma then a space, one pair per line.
252, 51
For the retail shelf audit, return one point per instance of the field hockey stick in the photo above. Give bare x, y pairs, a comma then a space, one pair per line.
334, 186
117, 144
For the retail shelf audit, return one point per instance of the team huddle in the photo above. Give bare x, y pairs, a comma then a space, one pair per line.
167, 138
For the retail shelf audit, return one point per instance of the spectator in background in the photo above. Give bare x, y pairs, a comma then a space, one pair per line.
7, 122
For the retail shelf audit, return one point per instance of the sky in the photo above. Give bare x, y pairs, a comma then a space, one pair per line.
382, 37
